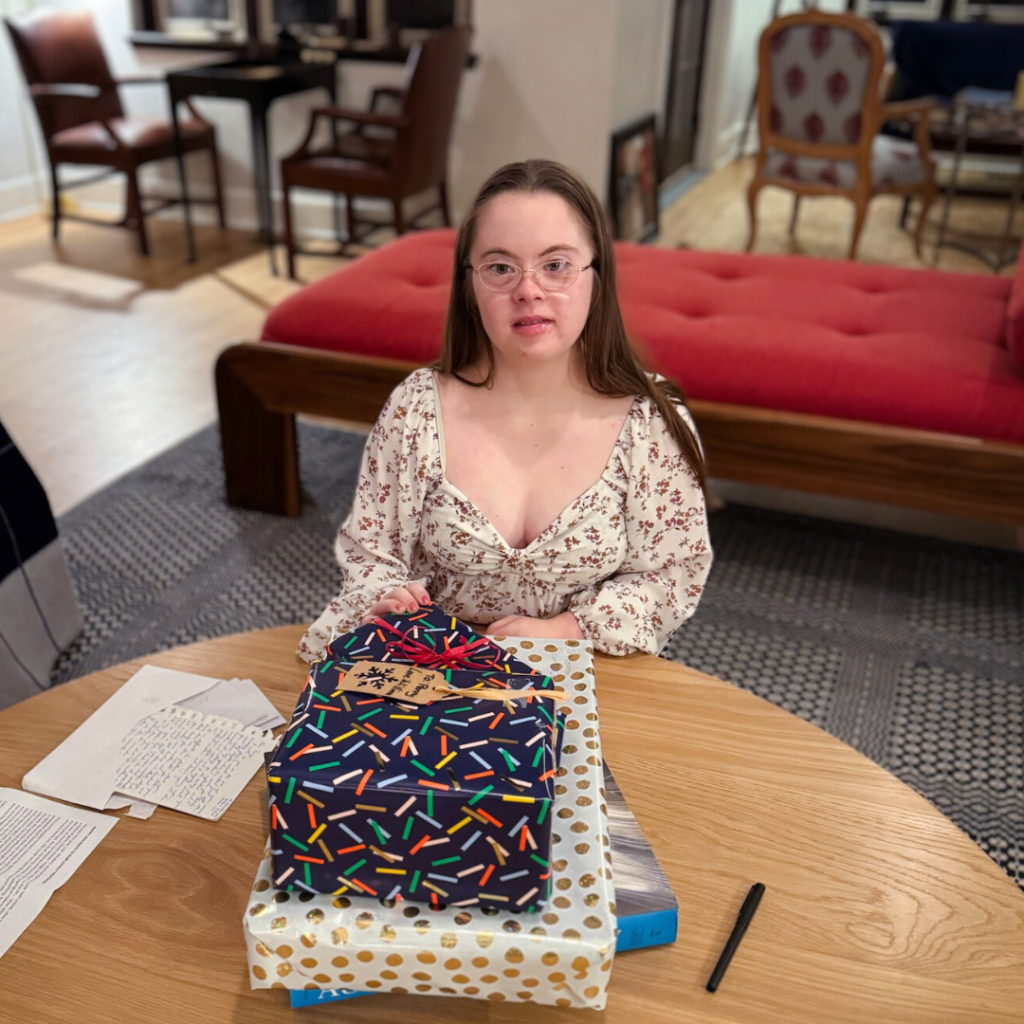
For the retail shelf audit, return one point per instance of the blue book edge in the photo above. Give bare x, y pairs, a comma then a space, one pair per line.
641, 931
647, 911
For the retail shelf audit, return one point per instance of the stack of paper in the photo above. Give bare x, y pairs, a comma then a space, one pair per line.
170, 738
175, 739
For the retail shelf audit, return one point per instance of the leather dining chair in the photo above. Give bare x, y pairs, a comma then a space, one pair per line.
819, 115
385, 155
83, 122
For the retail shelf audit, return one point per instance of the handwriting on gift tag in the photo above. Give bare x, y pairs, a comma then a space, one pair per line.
401, 682
422, 685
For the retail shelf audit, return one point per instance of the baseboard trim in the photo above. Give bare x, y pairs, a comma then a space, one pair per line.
311, 211
21, 197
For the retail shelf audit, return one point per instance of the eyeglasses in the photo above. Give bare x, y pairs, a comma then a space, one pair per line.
553, 276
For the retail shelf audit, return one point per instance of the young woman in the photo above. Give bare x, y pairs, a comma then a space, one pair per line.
536, 480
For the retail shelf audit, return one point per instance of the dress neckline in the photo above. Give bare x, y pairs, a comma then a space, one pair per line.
439, 434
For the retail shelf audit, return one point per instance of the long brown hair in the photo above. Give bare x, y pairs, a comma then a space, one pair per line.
612, 367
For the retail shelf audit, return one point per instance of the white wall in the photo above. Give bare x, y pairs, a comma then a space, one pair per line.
542, 88
21, 183
643, 50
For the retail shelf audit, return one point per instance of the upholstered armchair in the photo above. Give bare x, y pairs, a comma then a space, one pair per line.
819, 115
389, 156
83, 122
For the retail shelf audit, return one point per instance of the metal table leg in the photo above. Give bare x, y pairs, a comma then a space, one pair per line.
261, 173
1018, 187
180, 156
961, 145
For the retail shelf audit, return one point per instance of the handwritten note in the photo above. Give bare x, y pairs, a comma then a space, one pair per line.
188, 761
82, 768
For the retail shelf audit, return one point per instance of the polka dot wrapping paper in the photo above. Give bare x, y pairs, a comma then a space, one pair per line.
558, 954
444, 801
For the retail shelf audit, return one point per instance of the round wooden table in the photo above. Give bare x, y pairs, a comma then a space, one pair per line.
877, 908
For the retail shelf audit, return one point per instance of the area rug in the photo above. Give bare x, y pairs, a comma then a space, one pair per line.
911, 650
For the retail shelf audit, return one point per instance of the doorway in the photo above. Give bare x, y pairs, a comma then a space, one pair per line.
689, 27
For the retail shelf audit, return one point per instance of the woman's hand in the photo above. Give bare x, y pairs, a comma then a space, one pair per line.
401, 599
559, 627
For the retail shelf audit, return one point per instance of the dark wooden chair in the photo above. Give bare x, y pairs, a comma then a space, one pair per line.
386, 155
83, 122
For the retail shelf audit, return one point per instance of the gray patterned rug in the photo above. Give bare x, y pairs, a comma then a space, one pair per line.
910, 650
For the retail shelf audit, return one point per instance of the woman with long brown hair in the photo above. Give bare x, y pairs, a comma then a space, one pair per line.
536, 480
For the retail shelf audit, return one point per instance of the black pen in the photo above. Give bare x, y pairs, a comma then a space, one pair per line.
746, 913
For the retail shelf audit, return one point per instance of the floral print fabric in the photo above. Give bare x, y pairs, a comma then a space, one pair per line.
628, 557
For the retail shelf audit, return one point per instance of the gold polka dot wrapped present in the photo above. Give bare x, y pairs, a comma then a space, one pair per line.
560, 955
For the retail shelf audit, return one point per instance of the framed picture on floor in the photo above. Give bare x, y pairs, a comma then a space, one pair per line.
633, 185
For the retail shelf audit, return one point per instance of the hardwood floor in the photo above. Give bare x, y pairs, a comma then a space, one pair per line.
106, 357
713, 214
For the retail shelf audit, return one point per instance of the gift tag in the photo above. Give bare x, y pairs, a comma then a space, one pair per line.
400, 682
416, 685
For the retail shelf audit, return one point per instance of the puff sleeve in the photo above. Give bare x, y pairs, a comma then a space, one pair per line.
668, 554
377, 546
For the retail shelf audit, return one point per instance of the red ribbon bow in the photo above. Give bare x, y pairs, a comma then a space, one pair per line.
426, 656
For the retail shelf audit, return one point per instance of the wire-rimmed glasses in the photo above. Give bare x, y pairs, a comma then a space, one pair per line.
554, 275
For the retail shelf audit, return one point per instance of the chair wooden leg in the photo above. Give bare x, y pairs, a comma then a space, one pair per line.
445, 215
399, 219
217, 190
793, 215
861, 203
755, 187
289, 240
135, 215
927, 198
56, 200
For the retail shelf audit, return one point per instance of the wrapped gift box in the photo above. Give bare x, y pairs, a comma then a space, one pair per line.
559, 955
446, 802
432, 638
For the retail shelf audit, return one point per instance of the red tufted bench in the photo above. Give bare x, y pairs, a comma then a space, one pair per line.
903, 386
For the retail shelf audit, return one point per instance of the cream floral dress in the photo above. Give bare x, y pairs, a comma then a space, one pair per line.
628, 557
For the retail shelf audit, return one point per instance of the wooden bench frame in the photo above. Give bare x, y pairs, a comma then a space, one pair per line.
262, 385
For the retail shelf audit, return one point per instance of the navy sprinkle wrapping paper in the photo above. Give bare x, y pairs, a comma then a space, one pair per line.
447, 802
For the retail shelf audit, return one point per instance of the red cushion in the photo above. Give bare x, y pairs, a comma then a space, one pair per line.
911, 348
391, 302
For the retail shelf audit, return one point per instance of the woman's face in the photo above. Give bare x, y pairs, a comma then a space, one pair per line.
531, 230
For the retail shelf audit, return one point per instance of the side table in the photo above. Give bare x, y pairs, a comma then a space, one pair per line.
258, 83
987, 116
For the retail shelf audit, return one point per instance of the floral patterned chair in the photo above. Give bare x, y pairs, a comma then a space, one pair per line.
819, 115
